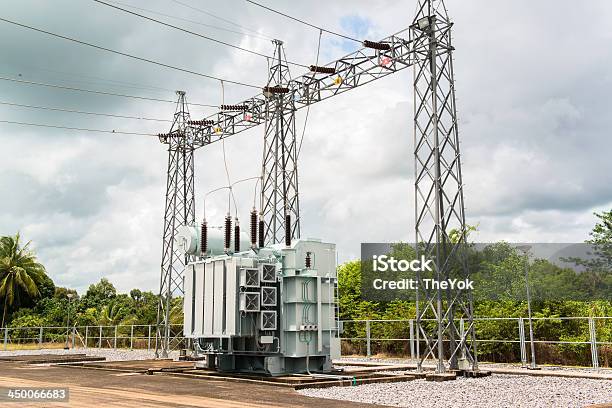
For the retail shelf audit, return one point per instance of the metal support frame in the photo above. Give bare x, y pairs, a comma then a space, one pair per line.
523, 346
279, 192
368, 339
179, 210
593, 343
351, 71
439, 207
411, 330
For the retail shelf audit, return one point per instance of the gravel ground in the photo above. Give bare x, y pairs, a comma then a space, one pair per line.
483, 365
494, 391
110, 354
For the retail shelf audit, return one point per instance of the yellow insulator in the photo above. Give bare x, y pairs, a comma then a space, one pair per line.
218, 130
338, 80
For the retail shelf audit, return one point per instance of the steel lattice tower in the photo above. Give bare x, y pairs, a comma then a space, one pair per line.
279, 193
439, 206
179, 210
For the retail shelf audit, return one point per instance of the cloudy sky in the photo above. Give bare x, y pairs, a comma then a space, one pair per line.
533, 86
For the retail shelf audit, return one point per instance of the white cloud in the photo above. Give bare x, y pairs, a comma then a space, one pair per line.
532, 97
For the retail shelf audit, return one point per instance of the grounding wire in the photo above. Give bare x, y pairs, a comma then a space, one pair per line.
215, 16
20, 105
91, 79
71, 88
75, 128
178, 28
257, 36
303, 22
190, 32
308, 107
127, 55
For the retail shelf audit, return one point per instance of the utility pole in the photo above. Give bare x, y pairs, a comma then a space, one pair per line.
439, 207
279, 194
179, 210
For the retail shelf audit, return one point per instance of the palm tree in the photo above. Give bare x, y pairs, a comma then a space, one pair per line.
19, 270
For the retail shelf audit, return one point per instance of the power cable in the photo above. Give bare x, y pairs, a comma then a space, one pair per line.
308, 107
214, 16
91, 79
75, 128
180, 29
303, 22
127, 55
257, 36
241, 181
81, 112
229, 182
191, 32
70, 88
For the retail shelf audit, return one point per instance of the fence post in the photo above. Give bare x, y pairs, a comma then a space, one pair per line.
411, 326
149, 339
115, 341
86, 335
100, 341
521, 327
368, 348
5, 338
131, 337
40, 337
593, 338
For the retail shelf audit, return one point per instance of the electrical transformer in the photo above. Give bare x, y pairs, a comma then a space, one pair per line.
269, 310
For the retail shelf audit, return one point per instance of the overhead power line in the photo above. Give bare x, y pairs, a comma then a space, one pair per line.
258, 36
180, 29
304, 22
199, 10
118, 132
229, 81
70, 88
191, 32
88, 79
20, 105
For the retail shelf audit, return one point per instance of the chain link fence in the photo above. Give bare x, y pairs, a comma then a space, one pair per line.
557, 340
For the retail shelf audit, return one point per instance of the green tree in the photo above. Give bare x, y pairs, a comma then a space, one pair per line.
20, 272
99, 294
601, 238
62, 293
136, 294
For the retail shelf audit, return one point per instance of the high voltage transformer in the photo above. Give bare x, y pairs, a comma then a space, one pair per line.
271, 310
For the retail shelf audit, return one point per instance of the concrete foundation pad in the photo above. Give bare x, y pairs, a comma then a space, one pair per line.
296, 381
51, 358
139, 366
